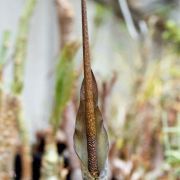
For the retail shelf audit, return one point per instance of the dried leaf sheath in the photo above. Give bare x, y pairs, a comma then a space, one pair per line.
80, 137
91, 142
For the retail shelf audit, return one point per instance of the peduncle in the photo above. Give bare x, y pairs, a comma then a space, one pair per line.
86, 49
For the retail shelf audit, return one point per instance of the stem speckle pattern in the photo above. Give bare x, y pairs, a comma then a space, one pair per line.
89, 103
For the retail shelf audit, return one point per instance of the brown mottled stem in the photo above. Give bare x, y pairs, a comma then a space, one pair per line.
89, 103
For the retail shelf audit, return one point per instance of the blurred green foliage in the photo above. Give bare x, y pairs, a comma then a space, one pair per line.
4, 47
172, 35
99, 15
172, 143
21, 46
64, 81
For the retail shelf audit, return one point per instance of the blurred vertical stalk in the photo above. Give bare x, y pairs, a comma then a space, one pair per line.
165, 125
66, 20
17, 85
66, 16
9, 135
7, 119
50, 162
21, 46
3, 53
64, 78
128, 19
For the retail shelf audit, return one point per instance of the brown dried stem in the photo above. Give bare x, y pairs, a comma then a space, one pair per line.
18, 83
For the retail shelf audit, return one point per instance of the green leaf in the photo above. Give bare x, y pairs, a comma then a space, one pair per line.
65, 77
